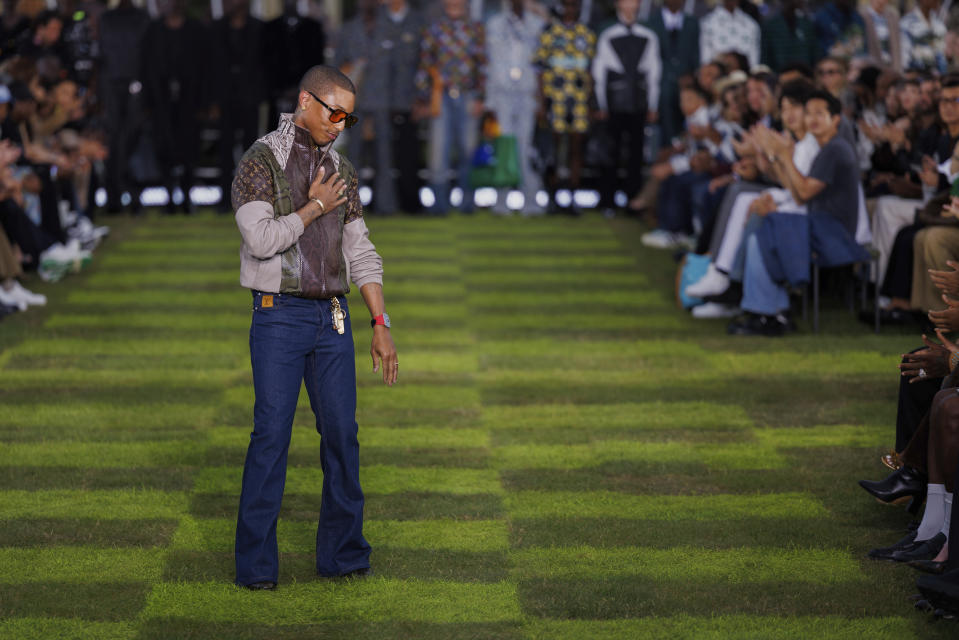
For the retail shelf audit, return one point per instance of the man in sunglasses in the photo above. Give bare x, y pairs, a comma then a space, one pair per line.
298, 210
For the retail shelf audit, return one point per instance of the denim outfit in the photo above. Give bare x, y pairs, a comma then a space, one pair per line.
294, 341
781, 252
453, 131
455, 51
294, 273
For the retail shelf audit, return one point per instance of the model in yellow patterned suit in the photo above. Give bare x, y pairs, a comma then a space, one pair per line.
565, 51
564, 54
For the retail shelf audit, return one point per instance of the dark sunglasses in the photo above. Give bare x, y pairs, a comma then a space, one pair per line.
336, 115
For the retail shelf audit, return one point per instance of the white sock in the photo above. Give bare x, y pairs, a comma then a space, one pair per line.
948, 516
934, 515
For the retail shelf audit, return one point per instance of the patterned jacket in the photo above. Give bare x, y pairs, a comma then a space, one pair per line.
278, 255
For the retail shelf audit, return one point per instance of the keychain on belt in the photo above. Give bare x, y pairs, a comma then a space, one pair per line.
338, 316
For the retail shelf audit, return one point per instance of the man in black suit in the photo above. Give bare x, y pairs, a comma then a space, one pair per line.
293, 43
238, 84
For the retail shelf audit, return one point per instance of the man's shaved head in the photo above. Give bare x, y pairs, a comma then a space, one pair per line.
321, 79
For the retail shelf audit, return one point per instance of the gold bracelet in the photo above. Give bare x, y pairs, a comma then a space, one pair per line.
319, 202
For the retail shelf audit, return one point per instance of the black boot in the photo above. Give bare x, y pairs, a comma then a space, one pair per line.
904, 483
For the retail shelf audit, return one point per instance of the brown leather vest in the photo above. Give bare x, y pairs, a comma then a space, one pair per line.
323, 270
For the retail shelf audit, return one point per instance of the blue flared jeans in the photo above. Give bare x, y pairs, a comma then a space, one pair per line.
292, 341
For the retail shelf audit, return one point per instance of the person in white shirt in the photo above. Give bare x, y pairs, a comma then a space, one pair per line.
729, 28
512, 37
924, 38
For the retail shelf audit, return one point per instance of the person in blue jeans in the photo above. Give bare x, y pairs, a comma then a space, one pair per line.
450, 83
298, 210
779, 253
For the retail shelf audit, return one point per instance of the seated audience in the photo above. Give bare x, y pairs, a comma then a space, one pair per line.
676, 176
748, 205
779, 253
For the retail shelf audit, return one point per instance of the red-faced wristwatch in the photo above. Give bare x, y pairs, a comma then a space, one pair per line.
383, 319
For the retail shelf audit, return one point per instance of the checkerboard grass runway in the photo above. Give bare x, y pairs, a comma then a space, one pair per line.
566, 456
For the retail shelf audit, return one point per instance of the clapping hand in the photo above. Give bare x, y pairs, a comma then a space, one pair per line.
946, 281
931, 362
948, 318
775, 142
951, 209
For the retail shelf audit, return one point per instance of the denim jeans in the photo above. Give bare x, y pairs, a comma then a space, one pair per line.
454, 129
292, 341
675, 201
760, 294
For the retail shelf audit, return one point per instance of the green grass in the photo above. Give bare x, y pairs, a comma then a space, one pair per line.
434, 534
381, 479
684, 627
566, 455
733, 566
316, 601
599, 504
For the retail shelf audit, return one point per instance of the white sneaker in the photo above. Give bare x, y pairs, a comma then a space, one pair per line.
662, 239
715, 310
59, 258
73, 246
9, 298
31, 298
86, 233
712, 283
68, 218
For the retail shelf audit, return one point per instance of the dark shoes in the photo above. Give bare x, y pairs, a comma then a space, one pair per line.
904, 483
920, 550
928, 566
261, 586
365, 572
754, 324
356, 574
885, 553
941, 592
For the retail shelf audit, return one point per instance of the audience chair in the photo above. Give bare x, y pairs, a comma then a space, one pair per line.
858, 272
